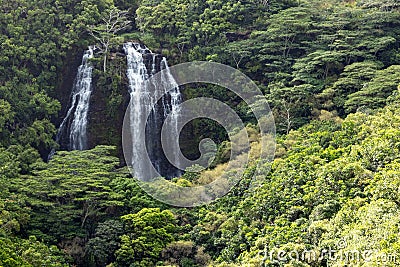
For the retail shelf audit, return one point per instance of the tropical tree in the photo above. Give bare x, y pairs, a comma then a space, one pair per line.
147, 233
113, 22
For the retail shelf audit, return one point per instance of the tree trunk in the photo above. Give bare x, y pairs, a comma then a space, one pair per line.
105, 59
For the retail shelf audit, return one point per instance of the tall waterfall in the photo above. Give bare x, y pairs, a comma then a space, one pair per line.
173, 107
74, 126
142, 64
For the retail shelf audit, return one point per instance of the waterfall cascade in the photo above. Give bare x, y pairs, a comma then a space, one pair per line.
74, 126
142, 64
145, 132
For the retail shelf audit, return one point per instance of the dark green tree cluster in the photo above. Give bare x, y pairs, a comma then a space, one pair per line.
331, 181
307, 56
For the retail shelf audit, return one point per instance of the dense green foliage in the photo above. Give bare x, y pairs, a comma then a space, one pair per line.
331, 72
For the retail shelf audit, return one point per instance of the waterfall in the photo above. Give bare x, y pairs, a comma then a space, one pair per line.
142, 64
82, 91
174, 105
75, 122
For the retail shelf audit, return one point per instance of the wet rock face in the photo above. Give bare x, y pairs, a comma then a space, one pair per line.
66, 81
108, 104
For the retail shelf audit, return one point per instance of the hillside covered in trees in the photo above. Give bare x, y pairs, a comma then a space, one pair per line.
330, 71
